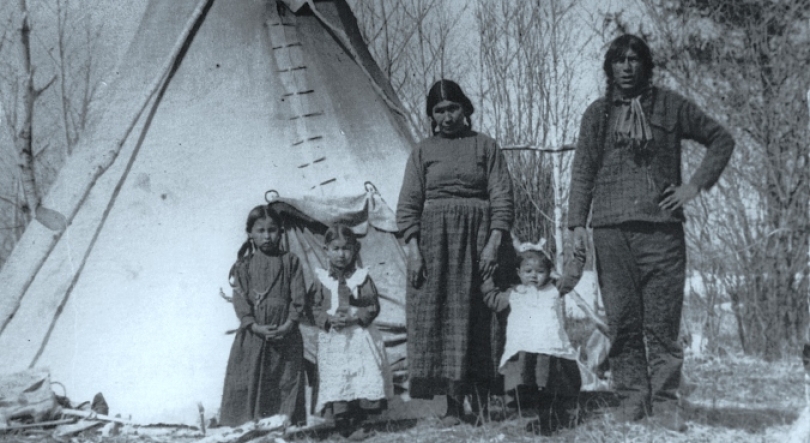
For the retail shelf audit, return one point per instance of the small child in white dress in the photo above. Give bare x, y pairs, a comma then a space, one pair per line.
354, 378
538, 363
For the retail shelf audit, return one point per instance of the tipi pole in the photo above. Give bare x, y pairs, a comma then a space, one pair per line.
806, 348
346, 42
167, 74
15, 291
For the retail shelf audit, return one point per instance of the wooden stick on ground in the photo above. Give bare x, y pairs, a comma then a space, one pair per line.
41, 424
90, 415
75, 428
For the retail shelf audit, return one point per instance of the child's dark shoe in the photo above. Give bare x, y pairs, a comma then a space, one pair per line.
670, 420
550, 421
540, 426
473, 419
344, 427
360, 434
449, 421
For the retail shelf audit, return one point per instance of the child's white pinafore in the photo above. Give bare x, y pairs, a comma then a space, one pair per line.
535, 323
352, 363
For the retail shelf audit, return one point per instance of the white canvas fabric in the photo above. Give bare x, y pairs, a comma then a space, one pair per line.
125, 300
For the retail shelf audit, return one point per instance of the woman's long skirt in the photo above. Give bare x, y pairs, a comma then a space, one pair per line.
451, 331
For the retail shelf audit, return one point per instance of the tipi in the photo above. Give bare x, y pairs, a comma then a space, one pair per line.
215, 102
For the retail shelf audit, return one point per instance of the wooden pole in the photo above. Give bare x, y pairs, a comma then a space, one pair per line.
19, 271
800, 430
806, 349
41, 424
557, 172
91, 415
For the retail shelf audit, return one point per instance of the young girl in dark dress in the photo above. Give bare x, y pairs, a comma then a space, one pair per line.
265, 373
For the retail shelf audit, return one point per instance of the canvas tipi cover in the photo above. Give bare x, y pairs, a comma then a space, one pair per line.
367, 214
230, 98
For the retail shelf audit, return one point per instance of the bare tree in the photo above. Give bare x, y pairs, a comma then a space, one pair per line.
748, 62
528, 56
526, 81
22, 122
415, 42
48, 80
76, 44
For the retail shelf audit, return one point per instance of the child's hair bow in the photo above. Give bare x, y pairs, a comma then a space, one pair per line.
527, 246
521, 247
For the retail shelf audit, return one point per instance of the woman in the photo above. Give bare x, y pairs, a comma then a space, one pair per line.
627, 163
454, 207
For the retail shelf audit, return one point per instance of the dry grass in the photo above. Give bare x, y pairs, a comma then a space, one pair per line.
736, 399
596, 430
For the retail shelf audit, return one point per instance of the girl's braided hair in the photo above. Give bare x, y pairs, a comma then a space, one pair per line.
247, 249
255, 214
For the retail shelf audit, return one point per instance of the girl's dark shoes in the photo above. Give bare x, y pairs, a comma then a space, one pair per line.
344, 427
549, 422
670, 420
360, 434
539, 427
448, 421
352, 429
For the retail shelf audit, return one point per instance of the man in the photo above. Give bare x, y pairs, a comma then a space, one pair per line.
627, 166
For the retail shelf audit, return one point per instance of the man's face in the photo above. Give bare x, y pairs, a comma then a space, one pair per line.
628, 72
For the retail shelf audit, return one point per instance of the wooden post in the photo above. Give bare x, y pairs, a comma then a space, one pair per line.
556, 167
800, 431
806, 349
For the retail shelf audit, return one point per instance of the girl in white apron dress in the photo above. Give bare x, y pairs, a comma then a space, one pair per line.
538, 358
353, 371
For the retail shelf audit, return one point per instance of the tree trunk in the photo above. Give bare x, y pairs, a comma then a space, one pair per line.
556, 159
25, 132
